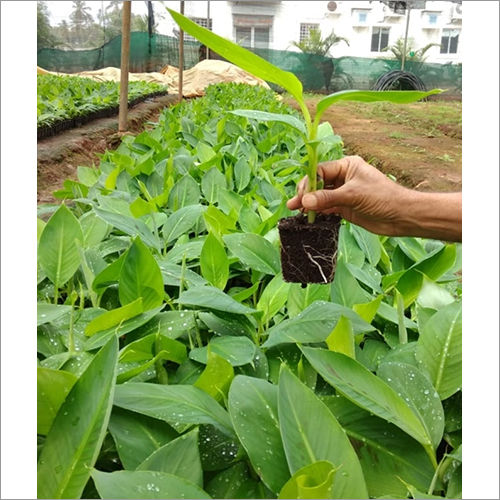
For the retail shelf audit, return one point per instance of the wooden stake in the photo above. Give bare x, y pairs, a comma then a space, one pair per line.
208, 27
181, 56
124, 66
403, 57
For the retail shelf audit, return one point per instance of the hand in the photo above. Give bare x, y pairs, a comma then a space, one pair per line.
364, 196
356, 191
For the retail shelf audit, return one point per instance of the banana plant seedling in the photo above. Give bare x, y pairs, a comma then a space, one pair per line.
308, 127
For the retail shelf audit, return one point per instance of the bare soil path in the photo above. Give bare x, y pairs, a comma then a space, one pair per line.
59, 156
420, 144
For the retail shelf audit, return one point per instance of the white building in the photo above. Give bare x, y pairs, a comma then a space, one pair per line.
369, 26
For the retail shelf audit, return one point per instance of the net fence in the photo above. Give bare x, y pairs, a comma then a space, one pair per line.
317, 73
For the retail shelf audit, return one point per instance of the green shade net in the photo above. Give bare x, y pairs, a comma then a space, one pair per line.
317, 73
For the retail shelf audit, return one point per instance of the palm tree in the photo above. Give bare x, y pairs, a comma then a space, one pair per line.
314, 44
80, 18
411, 54
319, 48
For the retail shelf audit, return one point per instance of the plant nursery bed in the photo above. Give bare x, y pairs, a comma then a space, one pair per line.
57, 127
59, 156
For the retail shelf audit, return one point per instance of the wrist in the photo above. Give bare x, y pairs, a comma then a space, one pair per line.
430, 215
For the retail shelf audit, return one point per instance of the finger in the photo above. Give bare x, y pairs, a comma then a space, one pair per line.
326, 199
294, 203
302, 186
335, 172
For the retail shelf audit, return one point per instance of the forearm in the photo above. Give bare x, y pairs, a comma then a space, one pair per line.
430, 215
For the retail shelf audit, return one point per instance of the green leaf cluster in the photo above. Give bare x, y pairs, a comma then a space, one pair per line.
173, 360
262, 68
63, 97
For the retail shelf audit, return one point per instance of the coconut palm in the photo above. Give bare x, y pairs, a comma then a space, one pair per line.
80, 19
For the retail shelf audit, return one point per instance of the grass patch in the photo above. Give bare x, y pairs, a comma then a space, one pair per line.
396, 135
431, 119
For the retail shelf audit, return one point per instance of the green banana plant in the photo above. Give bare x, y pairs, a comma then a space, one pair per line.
263, 69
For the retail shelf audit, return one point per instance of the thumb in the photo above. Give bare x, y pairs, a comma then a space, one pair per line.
324, 199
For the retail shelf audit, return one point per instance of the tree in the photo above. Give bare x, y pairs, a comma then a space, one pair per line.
111, 20
45, 36
64, 34
80, 18
319, 47
412, 54
314, 44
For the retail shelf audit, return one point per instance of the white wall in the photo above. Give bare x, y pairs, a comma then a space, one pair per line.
288, 15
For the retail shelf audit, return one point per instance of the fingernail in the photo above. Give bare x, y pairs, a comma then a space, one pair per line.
309, 201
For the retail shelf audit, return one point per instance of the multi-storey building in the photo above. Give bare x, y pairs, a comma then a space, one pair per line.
369, 26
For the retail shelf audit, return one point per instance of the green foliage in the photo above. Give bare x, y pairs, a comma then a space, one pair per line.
44, 35
263, 69
411, 54
176, 320
315, 44
63, 97
83, 31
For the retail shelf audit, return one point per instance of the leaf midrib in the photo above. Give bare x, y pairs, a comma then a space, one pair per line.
188, 403
394, 418
446, 346
83, 442
377, 405
379, 447
59, 258
258, 257
305, 441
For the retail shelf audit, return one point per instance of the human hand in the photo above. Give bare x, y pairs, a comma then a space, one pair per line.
356, 191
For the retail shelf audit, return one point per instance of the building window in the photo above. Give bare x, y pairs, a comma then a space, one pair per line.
253, 37
305, 30
253, 31
380, 39
432, 19
202, 21
359, 17
244, 36
449, 41
261, 38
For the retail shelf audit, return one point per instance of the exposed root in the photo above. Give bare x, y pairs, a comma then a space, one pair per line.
312, 259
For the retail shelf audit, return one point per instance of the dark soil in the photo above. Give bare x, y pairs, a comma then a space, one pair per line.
59, 156
309, 251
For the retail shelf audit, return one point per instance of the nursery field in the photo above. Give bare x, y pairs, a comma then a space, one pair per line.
175, 362
67, 101
187, 350
59, 156
419, 144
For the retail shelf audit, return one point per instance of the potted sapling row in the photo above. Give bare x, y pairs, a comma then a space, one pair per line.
308, 242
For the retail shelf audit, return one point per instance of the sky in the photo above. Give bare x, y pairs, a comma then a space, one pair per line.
60, 11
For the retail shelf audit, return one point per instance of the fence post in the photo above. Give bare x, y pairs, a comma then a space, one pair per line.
208, 27
181, 56
124, 66
403, 57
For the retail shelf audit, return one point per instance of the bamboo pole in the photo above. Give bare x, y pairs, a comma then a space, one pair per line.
181, 56
208, 27
124, 66
403, 57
